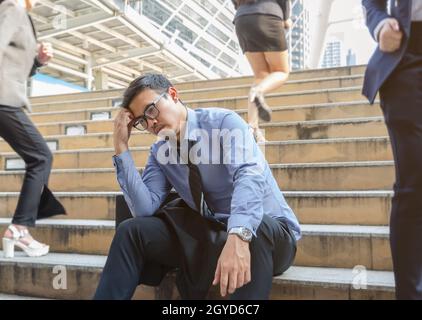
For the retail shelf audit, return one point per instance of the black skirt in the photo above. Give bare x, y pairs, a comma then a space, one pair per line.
260, 33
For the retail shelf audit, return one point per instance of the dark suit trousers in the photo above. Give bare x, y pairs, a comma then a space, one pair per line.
401, 102
142, 242
35, 200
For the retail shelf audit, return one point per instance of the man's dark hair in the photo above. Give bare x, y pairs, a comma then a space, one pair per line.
153, 81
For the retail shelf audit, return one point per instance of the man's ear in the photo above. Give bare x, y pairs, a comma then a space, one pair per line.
174, 94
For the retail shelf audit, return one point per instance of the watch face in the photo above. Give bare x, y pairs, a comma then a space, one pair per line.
246, 234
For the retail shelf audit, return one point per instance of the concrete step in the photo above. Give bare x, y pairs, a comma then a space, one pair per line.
345, 246
281, 131
305, 151
311, 207
341, 207
345, 176
72, 236
346, 94
15, 297
376, 175
210, 84
295, 75
325, 111
325, 129
38, 277
90, 141
287, 99
290, 86
313, 283
211, 93
284, 130
79, 205
337, 246
72, 115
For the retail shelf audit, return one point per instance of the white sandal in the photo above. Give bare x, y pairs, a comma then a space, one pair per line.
33, 249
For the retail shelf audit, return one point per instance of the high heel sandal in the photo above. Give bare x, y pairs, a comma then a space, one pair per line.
33, 249
257, 97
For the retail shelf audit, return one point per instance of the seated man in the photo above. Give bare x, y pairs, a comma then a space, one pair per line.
232, 225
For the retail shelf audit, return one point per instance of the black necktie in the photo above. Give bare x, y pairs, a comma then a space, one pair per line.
195, 185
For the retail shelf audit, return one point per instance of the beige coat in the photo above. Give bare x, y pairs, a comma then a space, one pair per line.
16, 60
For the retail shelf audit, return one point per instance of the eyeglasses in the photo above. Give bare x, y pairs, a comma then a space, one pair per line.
151, 112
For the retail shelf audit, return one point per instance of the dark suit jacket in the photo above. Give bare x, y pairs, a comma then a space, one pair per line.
382, 64
200, 241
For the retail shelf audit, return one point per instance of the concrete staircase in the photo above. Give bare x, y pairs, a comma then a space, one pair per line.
329, 152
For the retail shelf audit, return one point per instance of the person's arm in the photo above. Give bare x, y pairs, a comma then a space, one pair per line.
45, 54
384, 28
37, 64
239, 153
375, 16
248, 179
143, 194
10, 20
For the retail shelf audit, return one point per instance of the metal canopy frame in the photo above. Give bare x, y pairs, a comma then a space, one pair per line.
104, 44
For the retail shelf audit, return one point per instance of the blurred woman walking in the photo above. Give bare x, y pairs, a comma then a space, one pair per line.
20, 56
260, 28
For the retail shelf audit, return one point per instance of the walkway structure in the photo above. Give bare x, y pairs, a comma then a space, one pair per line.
104, 44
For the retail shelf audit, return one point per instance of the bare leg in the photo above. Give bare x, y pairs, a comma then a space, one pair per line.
271, 70
261, 70
278, 63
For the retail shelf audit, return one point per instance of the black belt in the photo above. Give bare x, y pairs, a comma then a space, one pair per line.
415, 41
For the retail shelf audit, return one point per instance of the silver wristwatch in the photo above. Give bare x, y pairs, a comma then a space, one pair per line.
243, 233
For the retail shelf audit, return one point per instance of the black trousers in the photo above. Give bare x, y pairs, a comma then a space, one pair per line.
35, 200
146, 244
401, 102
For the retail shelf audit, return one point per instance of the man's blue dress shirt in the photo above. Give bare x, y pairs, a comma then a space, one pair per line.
238, 184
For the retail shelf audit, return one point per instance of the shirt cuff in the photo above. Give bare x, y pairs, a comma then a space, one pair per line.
378, 29
239, 221
123, 160
38, 64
